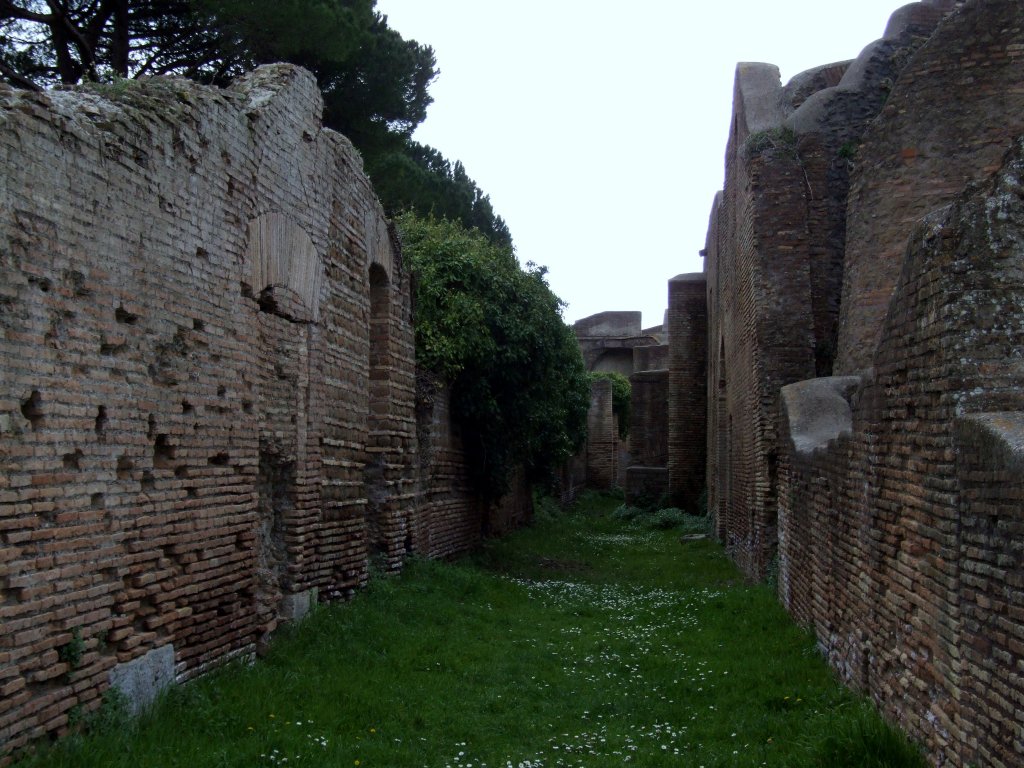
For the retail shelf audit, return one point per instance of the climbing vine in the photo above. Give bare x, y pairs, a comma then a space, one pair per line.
494, 332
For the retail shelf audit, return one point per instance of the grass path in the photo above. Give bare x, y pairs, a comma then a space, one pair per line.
582, 641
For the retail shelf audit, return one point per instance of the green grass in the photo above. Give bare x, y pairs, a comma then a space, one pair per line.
585, 640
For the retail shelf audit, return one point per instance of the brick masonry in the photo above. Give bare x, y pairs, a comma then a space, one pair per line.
610, 342
899, 531
687, 390
208, 405
843, 243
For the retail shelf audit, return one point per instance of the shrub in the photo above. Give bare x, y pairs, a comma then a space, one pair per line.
494, 332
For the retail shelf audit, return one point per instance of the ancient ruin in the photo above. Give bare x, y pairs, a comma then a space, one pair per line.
209, 416
865, 365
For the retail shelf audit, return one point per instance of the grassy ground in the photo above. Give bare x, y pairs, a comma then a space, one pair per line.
585, 640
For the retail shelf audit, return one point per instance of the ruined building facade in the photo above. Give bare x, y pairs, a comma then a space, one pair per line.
208, 412
865, 365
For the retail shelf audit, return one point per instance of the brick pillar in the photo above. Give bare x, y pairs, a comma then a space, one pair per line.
687, 404
602, 437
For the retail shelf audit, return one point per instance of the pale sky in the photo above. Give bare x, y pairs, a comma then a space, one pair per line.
598, 128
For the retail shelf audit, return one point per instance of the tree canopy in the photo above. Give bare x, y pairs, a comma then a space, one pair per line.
375, 83
494, 331
415, 177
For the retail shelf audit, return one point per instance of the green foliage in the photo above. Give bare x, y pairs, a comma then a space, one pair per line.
668, 518
546, 508
413, 177
71, 652
622, 394
113, 714
860, 739
494, 331
627, 513
661, 519
848, 151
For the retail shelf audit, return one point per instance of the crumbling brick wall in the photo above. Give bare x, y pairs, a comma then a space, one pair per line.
894, 488
901, 494
775, 258
647, 474
946, 122
207, 401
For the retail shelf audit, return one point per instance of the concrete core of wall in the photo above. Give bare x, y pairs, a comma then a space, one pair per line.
141, 680
818, 411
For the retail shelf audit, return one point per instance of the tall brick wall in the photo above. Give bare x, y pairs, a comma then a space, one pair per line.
891, 492
900, 492
759, 318
207, 410
775, 258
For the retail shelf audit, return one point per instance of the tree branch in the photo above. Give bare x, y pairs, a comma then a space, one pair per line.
12, 11
17, 79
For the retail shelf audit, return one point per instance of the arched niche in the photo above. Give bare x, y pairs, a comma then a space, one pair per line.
615, 361
283, 267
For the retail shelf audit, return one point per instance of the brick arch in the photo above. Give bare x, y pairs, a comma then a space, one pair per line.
615, 360
281, 254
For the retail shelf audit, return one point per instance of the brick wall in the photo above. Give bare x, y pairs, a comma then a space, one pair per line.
775, 256
647, 474
602, 438
946, 122
207, 411
892, 492
448, 520
900, 492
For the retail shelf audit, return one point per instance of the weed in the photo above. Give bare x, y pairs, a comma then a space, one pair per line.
113, 714
665, 519
627, 513
772, 574
71, 652
772, 142
860, 739
545, 508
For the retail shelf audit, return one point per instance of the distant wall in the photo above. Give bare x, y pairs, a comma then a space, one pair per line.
687, 389
602, 438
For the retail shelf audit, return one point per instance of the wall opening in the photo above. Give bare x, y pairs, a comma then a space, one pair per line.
615, 361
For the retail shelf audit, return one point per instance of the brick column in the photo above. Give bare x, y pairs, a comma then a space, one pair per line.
687, 402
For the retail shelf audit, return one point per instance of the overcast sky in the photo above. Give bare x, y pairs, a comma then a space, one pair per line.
598, 128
